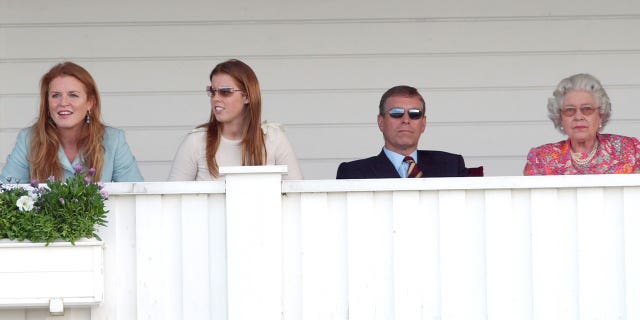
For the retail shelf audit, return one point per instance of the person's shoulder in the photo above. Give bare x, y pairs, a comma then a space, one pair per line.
620, 138
113, 136
356, 169
273, 132
113, 139
552, 146
359, 162
620, 143
437, 154
23, 138
111, 131
197, 132
25, 133
271, 128
195, 136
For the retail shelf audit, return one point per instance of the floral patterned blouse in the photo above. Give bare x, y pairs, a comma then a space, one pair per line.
615, 154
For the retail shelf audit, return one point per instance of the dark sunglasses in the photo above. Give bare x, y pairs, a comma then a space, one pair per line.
397, 113
223, 92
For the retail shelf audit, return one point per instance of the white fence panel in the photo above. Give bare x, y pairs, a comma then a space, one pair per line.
322, 235
600, 253
455, 248
369, 255
159, 273
631, 218
254, 239
508, 254
195, 257
217, 256
415, 255
462, 255
554, 262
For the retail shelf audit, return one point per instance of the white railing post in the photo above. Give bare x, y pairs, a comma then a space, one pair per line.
254, 241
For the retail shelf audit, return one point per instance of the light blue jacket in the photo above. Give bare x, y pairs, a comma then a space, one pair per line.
119, 164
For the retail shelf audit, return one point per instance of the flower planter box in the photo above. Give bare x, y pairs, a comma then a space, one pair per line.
35, 275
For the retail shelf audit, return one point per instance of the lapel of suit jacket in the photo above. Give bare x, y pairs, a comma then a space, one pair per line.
423, 163
383, 168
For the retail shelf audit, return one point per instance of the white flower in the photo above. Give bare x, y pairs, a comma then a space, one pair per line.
25, 203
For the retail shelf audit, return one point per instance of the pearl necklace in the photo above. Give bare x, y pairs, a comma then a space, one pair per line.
575, 156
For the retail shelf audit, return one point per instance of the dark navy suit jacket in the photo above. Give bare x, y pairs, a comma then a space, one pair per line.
432, 164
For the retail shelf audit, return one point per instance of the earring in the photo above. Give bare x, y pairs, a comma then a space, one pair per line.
87, 119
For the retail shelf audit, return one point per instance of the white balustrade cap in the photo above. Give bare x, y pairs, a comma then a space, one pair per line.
253, 169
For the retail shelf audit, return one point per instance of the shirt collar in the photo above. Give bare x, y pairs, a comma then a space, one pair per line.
397, 159
64, 161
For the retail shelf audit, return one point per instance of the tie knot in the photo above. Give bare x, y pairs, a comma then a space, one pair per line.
413, 171
408, 159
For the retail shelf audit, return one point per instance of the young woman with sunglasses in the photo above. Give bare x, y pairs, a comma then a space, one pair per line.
69, 135
234, 135
580, 108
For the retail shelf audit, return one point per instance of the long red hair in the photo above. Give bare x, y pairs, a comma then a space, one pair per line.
45, 140
253, 149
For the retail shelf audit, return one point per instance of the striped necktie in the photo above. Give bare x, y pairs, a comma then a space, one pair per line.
413, 171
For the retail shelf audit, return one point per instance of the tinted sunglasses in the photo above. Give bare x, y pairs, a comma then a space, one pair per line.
223, 92
397, 113
570, 111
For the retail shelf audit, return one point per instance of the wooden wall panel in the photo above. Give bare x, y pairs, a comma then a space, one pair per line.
16, 11
486, 69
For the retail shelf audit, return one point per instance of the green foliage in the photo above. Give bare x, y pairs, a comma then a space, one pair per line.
56, 211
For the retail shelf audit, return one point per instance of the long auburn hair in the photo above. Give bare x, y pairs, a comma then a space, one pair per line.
253, 149
45, 140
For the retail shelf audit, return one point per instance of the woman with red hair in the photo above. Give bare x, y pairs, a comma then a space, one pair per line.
68, 134
234, 135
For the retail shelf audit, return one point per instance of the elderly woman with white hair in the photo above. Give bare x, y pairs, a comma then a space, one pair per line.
580, 108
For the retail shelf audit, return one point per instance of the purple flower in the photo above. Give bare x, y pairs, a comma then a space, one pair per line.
92, 171
77, 168
87, 180
100, 185
51, 179
104, 194
61, 200
34, 183
9, 179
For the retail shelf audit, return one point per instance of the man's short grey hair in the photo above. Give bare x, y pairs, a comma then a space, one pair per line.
579, 82
402, 91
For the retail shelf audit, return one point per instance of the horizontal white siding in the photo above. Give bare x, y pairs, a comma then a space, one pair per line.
485, 68
15, 11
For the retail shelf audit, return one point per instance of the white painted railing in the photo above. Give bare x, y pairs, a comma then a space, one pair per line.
257, 247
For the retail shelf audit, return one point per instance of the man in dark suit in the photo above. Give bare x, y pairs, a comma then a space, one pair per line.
402, 120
